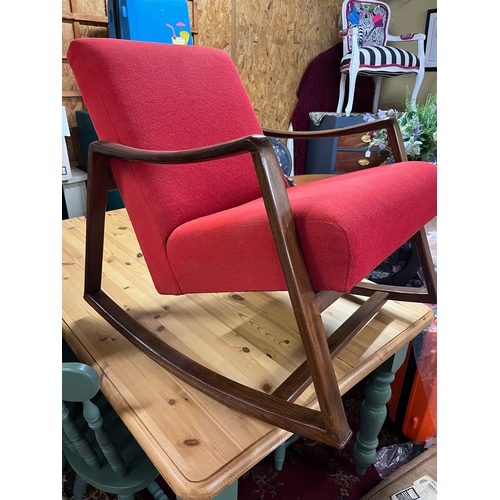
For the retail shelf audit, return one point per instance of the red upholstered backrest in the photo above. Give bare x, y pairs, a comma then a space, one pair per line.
167, 97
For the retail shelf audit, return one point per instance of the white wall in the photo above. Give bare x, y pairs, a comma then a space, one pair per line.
407, 16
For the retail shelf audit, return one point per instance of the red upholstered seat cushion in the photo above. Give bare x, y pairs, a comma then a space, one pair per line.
347, 226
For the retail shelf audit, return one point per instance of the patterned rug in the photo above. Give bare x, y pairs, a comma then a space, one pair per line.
311, 470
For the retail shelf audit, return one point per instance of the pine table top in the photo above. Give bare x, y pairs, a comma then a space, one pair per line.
198, 445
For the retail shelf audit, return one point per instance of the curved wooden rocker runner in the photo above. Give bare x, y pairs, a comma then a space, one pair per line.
213, 213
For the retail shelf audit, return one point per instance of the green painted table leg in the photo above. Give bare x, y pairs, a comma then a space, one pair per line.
79, 488
280, 451
374, 410
156, 491
229, 493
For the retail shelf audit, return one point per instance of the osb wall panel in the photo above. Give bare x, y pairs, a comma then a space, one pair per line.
276, 40
215, 23
271, 43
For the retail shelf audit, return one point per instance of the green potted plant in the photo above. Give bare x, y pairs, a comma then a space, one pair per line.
418, 125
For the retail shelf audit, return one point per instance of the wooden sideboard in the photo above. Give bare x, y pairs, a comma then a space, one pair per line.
340, 154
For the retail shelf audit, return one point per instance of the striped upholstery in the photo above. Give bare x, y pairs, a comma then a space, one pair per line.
366, 53
384, 60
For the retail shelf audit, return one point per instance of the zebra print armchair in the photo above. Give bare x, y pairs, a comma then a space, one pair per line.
365, 35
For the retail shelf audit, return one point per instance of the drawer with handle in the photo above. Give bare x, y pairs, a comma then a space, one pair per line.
354, 141
340, 154
350, 161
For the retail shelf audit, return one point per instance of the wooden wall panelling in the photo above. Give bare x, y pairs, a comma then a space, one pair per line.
80, 18
193, 16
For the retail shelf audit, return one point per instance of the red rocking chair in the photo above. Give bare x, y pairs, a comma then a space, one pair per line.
213, 213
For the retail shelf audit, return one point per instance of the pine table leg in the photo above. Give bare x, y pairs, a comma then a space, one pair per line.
374, 410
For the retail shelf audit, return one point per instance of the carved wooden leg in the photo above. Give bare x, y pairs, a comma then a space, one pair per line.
280, 451
374, 410
156, 491
229, 493
79, 488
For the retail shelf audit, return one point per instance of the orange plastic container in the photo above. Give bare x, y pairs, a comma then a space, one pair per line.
413, 404
419, 424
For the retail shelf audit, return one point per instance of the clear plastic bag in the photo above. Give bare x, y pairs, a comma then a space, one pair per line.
391, 458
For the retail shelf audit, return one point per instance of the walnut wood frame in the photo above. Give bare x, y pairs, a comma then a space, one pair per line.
329, 425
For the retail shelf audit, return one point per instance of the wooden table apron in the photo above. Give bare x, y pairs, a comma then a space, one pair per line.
200, 446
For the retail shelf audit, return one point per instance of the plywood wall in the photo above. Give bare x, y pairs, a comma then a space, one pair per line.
270, 41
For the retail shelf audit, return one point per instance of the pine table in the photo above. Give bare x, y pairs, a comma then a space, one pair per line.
199, 446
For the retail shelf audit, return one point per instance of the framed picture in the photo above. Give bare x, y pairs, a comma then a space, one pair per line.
431, 41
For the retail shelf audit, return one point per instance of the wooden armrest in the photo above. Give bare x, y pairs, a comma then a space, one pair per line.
407, 37
419, 38
263, 156
247, 144
390, 124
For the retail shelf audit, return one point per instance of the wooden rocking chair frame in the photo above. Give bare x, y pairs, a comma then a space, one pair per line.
329, 424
